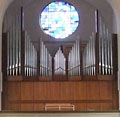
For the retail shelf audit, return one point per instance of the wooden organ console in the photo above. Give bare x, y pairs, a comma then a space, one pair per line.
83, 79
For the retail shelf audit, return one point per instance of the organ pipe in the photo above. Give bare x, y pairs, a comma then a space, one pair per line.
45, 61
14, 47
105, 49
74, 60
30, 57
89, 57
59, 63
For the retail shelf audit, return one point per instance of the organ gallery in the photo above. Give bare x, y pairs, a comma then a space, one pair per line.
58, 75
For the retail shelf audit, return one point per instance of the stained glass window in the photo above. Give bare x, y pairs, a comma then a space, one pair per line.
59, 19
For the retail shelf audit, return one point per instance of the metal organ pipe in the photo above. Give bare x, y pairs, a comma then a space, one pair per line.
30, 57
89, 57
13, 47
45, 61
105, 50
89, 60
74, 60
59, 63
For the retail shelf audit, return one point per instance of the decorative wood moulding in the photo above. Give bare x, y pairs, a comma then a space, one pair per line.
45, 78
75, 78
15, 78
58, 101
106, 77
63, 78
89, 78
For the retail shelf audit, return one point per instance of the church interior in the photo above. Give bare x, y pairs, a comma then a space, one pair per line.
60, 56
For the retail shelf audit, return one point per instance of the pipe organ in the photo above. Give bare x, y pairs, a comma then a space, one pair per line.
23, 59
105, 49
45, 61
82, 75
89, 57
74, 60
30, 57
14, 47
59, 60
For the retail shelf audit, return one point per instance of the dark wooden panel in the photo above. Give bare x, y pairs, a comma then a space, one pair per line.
56, 90
50, 91
40, 91
106, 106
65, 89
85, 95
15, 78
60, 78
93, 90
27, 91
106, 77
75, 78
5, 96
14, 91
14, 107
80, 106
72, 90
53, 91
115, 95
27, 107
93, 106
39, 107
105, 90
4, 55
80, 91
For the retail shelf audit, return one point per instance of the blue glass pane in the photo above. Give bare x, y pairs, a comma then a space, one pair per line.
59, 19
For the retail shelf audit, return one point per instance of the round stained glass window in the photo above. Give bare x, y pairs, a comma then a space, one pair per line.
59, 19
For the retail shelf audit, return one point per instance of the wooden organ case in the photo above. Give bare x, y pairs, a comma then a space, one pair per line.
83, 78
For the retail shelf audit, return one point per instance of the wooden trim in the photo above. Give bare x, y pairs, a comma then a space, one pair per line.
106, 77
4, 55
81, 62
97, 44
75, 78
22, 52
66, 65
22, 43
59, 101
97, 54
60, 78
30, 78
115, 95
90, 78
115, 53
45, 78
53, 67
22, 19
38, 59
14, 78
